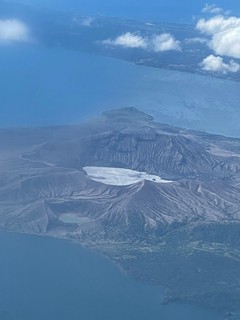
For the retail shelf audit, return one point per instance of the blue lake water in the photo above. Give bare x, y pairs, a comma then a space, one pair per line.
42, 86
44, 278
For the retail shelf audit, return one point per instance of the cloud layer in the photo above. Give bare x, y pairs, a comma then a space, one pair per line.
216, 64
13, 30
156, 43
225, 34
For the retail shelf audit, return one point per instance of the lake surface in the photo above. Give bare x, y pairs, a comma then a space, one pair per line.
44, 278
46, 86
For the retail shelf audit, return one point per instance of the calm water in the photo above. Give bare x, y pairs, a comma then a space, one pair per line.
41, 86
43, 278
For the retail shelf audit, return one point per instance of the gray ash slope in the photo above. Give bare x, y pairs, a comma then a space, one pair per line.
193, 222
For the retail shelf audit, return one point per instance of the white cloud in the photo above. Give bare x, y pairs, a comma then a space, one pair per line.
83, 21
216, 64
165, 42
225, 34
157, 43
214, 9
227, 43
87, 22
13, 30
129, 40
218, 24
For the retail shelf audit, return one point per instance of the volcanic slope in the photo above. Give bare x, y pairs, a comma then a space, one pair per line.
181, 211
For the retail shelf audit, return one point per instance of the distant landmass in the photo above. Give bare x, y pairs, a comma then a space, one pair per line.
160, 201
109, 36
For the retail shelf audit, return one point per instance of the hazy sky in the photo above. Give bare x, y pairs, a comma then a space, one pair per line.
171, 10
